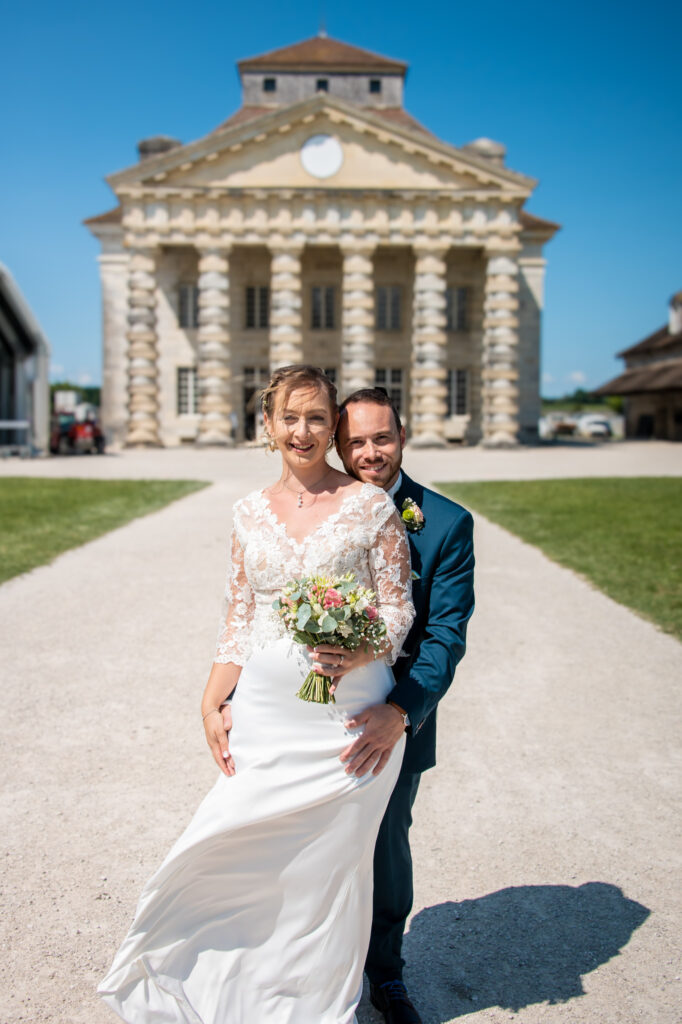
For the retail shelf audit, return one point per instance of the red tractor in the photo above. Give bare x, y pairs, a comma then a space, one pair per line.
70, 435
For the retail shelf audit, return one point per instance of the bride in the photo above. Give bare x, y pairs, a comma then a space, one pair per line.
261, 912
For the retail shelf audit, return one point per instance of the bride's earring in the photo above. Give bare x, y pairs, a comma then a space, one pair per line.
330, 442
270, 442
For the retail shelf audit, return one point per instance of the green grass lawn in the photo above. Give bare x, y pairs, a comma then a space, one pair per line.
624, 535
40, 518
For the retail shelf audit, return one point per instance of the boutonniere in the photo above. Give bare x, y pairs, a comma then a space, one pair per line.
412, 516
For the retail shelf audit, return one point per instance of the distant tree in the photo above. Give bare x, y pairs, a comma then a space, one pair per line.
89, 393
577, 401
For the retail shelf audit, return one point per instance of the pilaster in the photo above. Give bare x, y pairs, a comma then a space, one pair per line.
286, 313
357, 320
215, 404
142, 353
428, 406
500, 391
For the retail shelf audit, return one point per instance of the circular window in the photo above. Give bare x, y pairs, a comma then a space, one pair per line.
322, 156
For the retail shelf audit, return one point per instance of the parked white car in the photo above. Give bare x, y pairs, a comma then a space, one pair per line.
594, 425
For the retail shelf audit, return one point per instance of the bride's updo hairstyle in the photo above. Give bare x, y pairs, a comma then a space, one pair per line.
289, 378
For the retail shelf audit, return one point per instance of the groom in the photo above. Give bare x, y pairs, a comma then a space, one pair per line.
370, 440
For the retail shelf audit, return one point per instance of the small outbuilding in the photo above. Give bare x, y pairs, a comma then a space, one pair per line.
652, 382
24, 373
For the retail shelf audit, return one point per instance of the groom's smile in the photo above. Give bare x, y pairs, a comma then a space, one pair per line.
370, 444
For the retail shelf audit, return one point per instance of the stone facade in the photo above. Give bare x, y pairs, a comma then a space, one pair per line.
321, 223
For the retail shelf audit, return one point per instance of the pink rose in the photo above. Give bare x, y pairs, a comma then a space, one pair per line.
332, 599
371, 612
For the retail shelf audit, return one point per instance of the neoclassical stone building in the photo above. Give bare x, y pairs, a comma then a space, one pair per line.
320, 223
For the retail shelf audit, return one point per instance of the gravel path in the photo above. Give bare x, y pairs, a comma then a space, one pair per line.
547, 859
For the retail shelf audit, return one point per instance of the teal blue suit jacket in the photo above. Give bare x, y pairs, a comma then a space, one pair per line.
443, 556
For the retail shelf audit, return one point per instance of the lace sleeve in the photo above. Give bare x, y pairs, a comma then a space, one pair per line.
235, 628
389, 564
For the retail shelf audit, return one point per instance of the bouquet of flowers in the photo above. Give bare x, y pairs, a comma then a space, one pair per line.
322, 610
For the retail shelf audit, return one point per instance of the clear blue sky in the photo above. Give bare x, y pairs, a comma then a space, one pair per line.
585, 96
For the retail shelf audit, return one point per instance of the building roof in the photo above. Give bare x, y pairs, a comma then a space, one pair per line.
322, 54
665, 375
242, 115
399, 116
394, 115
109, 217
531, 222
656, 342
19, 329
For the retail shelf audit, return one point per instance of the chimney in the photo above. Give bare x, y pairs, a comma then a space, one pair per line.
675, 314
156, 145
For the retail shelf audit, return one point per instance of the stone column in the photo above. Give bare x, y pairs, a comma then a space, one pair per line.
357, 320
428, 405
286, 312
500, 393
143, 387
215, 376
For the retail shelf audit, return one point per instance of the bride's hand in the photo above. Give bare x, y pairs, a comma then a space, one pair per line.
217, 726
336, 661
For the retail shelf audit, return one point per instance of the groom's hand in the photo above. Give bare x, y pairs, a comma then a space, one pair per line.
383, 728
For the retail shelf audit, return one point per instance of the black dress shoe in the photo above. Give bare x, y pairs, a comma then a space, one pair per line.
392, 1000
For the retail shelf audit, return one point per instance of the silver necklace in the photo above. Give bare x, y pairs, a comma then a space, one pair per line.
303, 490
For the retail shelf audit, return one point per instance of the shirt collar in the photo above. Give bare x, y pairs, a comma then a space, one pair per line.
392, 491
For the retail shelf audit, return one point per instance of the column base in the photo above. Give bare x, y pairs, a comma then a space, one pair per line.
500, 440
141, 439
214, 439
430, 439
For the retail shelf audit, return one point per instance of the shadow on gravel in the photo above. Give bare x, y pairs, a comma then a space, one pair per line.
523, 945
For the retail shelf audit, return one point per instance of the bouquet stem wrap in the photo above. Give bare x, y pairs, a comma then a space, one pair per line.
325, 610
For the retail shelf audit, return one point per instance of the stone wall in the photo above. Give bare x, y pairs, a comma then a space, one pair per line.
292, 87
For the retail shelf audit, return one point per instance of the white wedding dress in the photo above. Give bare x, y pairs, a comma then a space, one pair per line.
261, 912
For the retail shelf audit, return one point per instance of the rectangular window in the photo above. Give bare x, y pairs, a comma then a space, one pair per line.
322, 307
458, 392
187, 391
457, 308
269, 85
188, 305
322, 85
375, 85
256, 376
257, 306
255, 379
391, 380
388, 303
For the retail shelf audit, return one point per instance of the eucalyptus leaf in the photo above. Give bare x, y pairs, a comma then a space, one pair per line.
304, 613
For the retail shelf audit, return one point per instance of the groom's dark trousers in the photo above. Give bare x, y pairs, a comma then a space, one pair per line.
443, 557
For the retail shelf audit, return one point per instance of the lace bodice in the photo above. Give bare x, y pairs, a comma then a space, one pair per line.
364, 536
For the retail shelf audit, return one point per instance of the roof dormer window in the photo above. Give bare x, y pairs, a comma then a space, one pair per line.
269, 85
322, 85
375, 85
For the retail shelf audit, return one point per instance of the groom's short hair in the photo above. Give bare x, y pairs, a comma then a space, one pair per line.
378, 396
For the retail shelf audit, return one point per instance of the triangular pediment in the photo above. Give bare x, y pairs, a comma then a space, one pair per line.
269, 151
